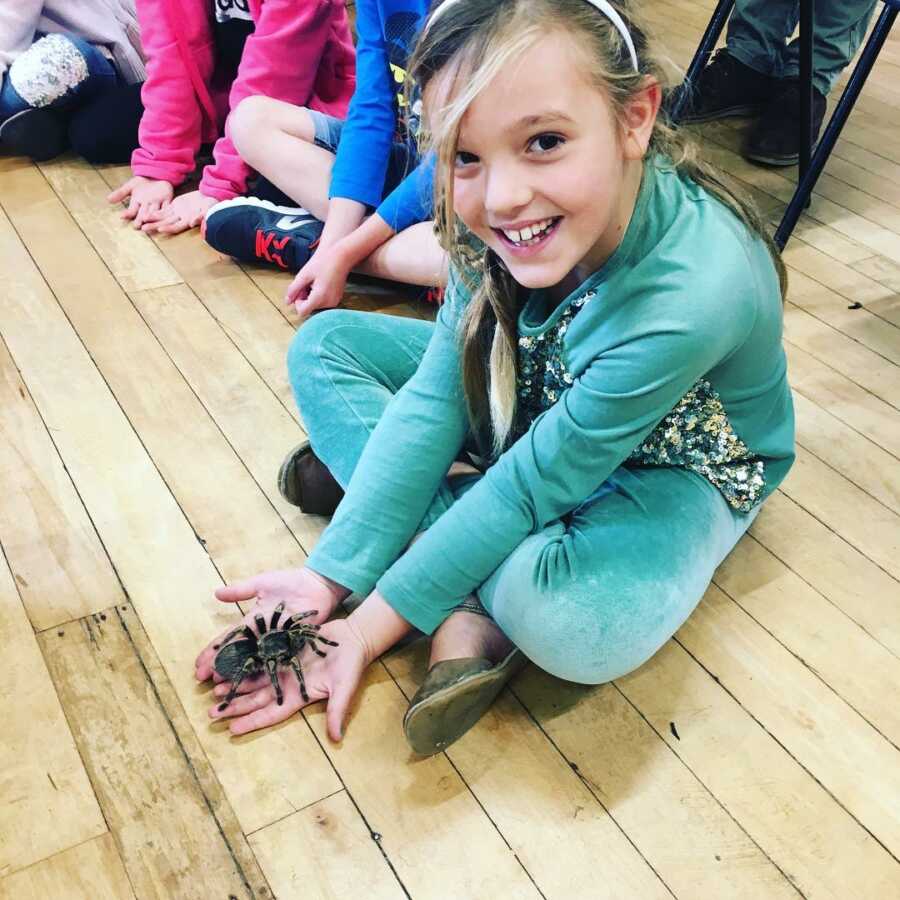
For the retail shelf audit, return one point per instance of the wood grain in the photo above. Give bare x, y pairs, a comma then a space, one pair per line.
46, 800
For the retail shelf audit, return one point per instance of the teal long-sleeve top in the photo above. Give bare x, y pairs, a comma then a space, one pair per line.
670, 354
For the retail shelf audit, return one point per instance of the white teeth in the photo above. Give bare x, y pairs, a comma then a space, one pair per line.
528, 234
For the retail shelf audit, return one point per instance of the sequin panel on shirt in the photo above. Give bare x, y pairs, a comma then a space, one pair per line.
543, 375
695, 435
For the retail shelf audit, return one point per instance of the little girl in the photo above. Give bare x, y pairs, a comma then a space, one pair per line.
204, 57
70, 75
612, 340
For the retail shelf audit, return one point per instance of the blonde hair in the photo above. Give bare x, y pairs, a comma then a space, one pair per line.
470, 43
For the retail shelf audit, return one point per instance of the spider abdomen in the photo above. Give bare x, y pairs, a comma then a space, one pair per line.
231, 658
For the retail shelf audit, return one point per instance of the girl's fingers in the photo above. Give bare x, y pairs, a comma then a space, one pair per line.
120, 193
237, 591
247, 686
270, 714
338, 703
299, 288
174, 226
244, 704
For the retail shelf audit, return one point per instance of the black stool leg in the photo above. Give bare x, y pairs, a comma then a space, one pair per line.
807, 30
701, 57
835, 126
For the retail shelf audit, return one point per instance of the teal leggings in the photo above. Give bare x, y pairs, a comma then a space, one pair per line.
589, 597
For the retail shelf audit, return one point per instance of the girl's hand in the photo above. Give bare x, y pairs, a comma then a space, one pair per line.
184, 212
334, 677
147, 197
299, 589
320, 283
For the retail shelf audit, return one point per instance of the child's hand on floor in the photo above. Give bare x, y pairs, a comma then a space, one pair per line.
299, 589
334, 677
146, 197
320, 283
184, 212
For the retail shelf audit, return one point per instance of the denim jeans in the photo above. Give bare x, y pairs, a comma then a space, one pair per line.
759, 30
589, 597
56, 71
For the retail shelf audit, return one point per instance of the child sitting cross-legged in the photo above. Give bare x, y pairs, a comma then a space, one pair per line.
612, 343
358, 196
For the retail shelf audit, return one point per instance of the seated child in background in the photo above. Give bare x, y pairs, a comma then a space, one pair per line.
338, 172
204, 57
70, 74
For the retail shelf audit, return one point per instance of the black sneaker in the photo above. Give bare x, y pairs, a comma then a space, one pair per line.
727, 87
39, 134
775, 138
254, 230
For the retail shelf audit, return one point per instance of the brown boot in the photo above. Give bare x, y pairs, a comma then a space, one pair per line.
304, 481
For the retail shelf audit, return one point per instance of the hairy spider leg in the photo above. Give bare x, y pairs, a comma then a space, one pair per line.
298, 671
260, 624
246, 669
244, 630
290, 621
310, 635
272, 669
276, 616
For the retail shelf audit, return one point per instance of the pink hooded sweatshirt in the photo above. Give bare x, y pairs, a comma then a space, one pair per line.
300, 51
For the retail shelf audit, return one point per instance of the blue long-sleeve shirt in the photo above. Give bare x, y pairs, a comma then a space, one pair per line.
379, 116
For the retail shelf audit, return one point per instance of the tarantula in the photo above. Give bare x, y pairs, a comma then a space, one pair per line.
271, 648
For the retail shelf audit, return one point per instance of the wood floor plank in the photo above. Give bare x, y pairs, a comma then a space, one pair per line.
846, 313
433, 831
885, 271
817, 633
170, 419
130, 255
149, 794
197, 759
91, 871
839, 572
853, 762
251, 416
875, 174
844, 399
324, 852
168, 575
57, 561
816, 843
675, 822
862, 521
855, 457
46, 800
258, 329
879, 180
550, 819
862, 366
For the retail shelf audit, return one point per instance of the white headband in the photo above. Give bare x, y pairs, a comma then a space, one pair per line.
603, 5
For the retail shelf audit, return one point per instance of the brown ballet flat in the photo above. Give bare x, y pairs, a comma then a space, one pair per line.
304, 481
454, 696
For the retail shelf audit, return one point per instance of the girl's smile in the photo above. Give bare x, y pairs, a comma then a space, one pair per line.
528, 238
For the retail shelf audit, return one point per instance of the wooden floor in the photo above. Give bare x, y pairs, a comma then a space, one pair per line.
144, 409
